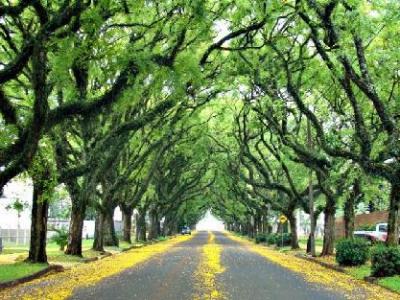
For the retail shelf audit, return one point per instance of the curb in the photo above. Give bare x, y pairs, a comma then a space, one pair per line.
321, 263
50, 269
133, 247
96, 258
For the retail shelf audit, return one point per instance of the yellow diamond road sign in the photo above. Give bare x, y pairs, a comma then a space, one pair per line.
282, 219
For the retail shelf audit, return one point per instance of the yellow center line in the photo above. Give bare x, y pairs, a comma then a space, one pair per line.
208, 269
61, 285
312, 272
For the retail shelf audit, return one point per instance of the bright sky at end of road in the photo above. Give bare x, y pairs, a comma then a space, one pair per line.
209, 222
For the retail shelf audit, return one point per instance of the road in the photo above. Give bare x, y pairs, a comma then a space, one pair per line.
172, 276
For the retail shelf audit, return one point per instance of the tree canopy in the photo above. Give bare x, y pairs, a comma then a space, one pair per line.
250, 109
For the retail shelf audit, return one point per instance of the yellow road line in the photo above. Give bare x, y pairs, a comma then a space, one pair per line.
61, 285
208, 269
312, 272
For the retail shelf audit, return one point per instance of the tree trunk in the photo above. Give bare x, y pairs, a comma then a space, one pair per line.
154, 225
127, 212
141, 225
312, 235
258, 224
40, 207
313, 223
108, 230
329, 228
393, 218
74, 246
250, 227
170, 225
349, 205
293, 230
98, 243
313, 220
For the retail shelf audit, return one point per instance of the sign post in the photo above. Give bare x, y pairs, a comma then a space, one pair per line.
282, 220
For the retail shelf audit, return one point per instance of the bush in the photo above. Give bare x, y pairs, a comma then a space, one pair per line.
60, 238
271, 239
366, 227
286, 237
261, 238
352, 252
385, 261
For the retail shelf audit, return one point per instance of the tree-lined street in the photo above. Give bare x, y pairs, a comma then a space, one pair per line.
126, 122
174, 275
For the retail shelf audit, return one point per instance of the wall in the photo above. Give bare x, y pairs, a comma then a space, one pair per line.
363, 219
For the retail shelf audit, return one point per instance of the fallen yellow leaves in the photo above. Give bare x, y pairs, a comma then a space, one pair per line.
61, 285
209, 268
353, 288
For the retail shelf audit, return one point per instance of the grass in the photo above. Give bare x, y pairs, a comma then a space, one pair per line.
17, 253
13, 250
359, 272
58, 257
303, 241
17, 270
392, 283
51, 246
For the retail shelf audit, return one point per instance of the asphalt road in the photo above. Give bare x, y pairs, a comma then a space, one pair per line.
171, 276
251, 276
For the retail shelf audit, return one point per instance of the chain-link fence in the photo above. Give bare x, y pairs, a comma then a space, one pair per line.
15, 236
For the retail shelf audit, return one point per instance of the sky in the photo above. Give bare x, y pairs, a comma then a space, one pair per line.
209, 222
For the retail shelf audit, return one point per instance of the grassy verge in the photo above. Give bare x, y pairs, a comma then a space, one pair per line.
18, 253
392, 283
360, 272
18, 270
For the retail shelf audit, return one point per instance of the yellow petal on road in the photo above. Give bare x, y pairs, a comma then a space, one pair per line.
312, 272
209, 268
61, 285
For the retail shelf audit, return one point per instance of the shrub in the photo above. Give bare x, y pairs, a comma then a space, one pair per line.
60, 238
286, 237
366, 227
352, 252
385, 261
271, 239
261, 238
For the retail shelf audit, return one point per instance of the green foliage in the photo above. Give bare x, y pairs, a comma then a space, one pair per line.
352, 252
366, 227
18, 205
60, 238
282, 240
385, 261
235, 156
272, 238
261, 238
